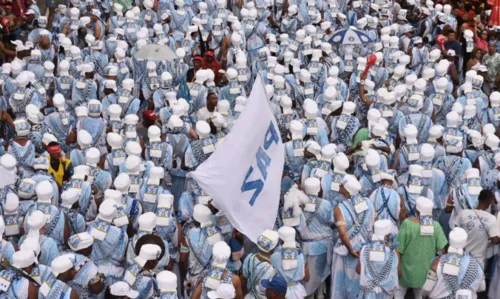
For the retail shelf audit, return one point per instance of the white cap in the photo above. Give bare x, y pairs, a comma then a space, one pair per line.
348, 108
62, 264
202, 129
424, 205
458, 239
122, 289
495, 99
351, 184
92, 155
427, 152
23, 258
372, 159
8, 162
224, 291
381, 228
44, 191
340, 162
268, 240
287, 235
80, 241
167, 281
312, 186
147, 222
69, 197
202, 214
492, 141
84, 139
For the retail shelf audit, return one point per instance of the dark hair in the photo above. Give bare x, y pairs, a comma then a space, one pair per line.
486, 195
474, 52
451, 31
53, 143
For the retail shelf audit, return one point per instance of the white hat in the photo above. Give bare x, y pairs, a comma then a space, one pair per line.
69, 197
81, 111
458, 240
436, 131
351, 184
224, 291
287, 235
62, 264
314, 148
372, 159
495, 99
95, 108
202, 129
424, 205
149, 252
9, 162
107, 211
202, 214
340, 162
44, 191
381, 228
147, 222
488, 129
122, 182
268, 240
122, 289
84, 139
296, 129
348, 108
167, 282
427, 152
23, 259
92, 156
114, 111
80, 241
26, 188
312, 186
114, 140
452, 119
492, 141
411, 133
80, 172
36, 220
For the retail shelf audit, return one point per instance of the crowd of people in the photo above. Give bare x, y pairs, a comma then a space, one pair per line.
388, 111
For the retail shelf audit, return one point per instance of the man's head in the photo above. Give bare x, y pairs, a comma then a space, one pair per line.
81, 243
209, 55
275, 287
451, 35
62, 267
492, 48
212, 100
24, 260
197, 61
486, 198
54, 150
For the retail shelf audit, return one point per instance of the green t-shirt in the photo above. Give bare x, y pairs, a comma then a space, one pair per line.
417, 252
361, 135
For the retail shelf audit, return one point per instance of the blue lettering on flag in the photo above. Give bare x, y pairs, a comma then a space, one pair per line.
263, 161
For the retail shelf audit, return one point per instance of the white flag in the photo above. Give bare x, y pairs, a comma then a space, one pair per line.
243, 175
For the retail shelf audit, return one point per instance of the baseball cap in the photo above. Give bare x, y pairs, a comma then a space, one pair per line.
277, 283
150, 115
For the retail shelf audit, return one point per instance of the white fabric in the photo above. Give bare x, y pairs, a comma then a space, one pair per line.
223, 175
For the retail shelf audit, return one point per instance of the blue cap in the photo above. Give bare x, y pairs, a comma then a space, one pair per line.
277, 283
492, 43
